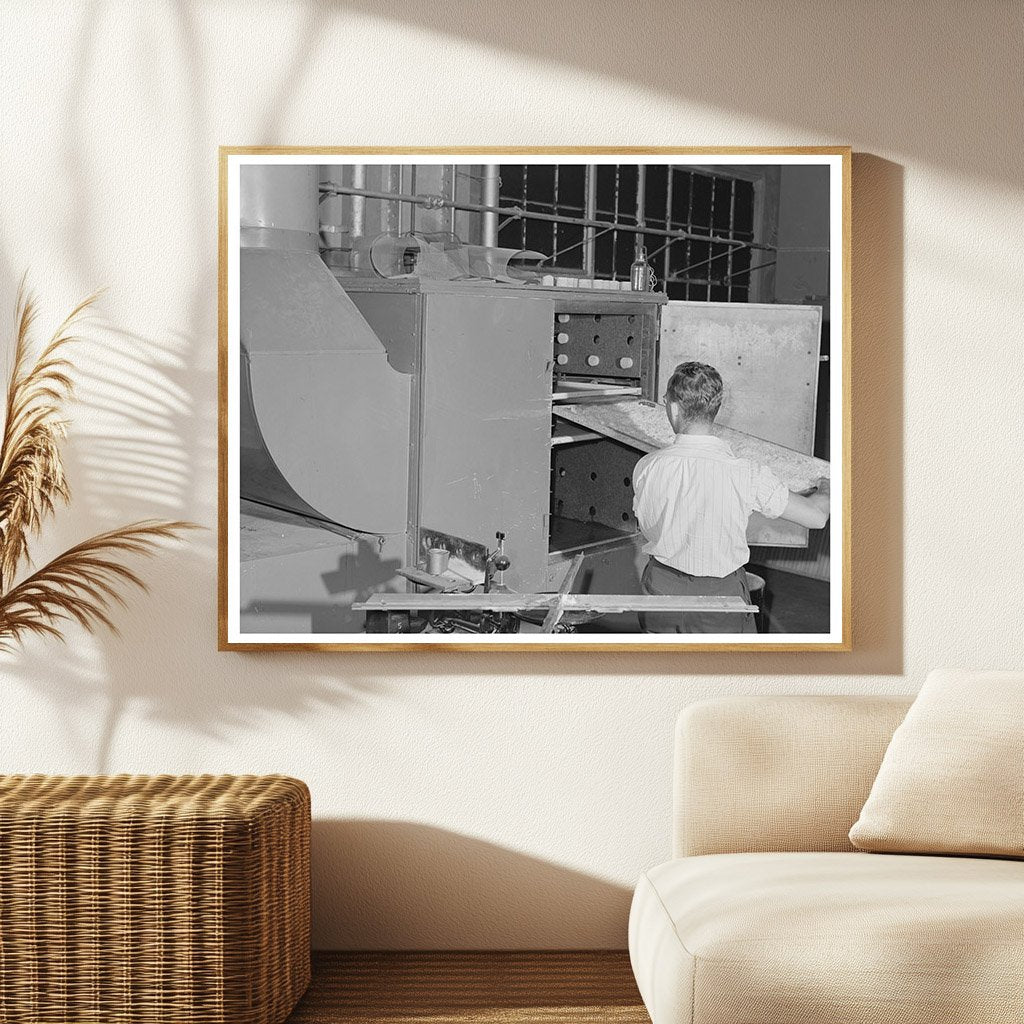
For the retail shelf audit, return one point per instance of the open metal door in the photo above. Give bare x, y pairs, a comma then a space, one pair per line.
768, 357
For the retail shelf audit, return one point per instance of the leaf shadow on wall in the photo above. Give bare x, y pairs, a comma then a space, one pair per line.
152, 452
156, 439
145, 444
138, 453
878, 74
405, 885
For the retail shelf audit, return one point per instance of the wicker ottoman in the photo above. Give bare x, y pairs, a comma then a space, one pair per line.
131, 899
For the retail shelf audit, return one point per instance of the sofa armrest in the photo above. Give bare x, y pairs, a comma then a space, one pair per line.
759, 774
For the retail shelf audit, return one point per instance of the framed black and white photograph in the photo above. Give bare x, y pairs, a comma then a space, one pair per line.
506, 399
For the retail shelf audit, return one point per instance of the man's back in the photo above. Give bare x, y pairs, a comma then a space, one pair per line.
692, 501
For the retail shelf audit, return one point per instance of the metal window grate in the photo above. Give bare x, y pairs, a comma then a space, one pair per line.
659, 197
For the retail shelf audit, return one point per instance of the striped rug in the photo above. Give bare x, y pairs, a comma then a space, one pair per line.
465, 988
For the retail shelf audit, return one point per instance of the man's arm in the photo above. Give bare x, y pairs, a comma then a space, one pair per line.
810, 510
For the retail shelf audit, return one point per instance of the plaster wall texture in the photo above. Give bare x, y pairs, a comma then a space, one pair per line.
472, 800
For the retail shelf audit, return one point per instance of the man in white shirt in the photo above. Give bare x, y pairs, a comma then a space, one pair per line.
692, 501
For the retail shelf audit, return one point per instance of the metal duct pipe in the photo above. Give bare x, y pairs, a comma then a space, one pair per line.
358, 202
320, 402
410, 209
392, 187
641, 190
590, 213
448, 179
552, 218
491, 194
279, 206
358, 232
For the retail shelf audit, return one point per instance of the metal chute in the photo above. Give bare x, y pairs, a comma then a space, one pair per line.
325, 417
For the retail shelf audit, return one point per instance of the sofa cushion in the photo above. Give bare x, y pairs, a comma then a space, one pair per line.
780, 772
951, 779
833, 938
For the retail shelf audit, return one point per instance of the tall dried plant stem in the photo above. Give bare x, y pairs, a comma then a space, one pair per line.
82, 583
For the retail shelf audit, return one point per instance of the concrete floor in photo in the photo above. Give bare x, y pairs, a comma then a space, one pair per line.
795, 604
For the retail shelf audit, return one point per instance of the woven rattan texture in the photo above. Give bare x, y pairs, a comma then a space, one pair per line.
144, 899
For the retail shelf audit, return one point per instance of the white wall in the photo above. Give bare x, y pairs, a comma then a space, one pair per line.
474, 800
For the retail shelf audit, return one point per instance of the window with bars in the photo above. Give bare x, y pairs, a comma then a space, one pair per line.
717, 211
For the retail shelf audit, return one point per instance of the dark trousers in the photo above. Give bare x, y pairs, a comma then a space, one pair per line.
662, 579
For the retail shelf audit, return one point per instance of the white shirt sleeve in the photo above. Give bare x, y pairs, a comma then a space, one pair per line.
770, 494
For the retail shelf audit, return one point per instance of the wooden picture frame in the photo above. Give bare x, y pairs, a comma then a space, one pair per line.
363, 430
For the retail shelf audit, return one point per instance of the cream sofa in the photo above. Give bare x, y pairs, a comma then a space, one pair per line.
768, 915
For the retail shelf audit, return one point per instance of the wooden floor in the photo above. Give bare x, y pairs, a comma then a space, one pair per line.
463, 988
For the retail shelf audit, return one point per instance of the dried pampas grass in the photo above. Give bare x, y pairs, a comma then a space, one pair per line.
82, 584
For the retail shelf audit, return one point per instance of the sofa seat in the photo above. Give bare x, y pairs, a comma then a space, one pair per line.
830, 938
